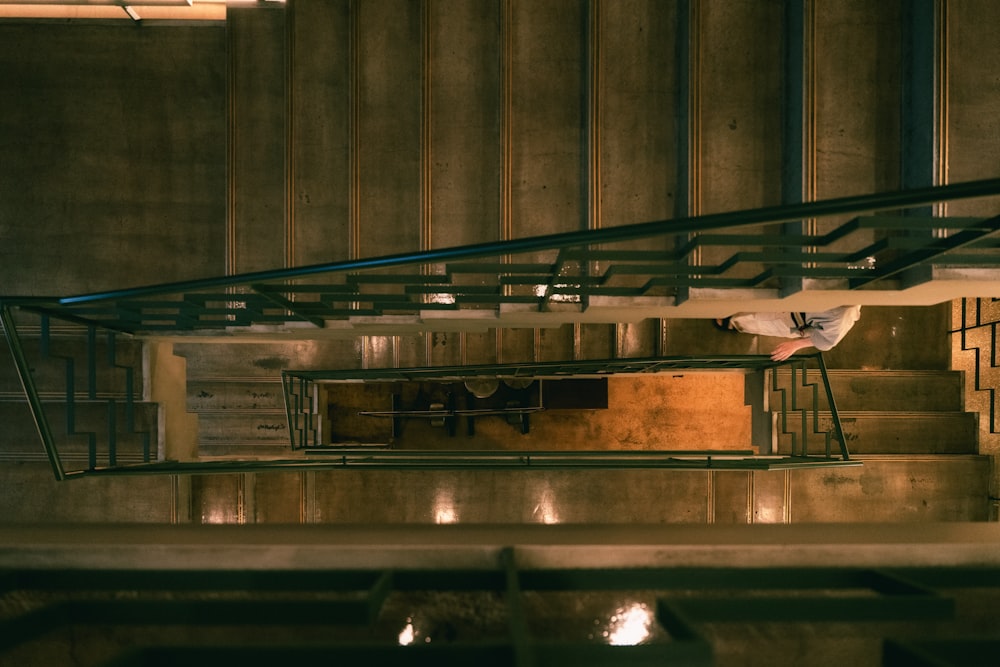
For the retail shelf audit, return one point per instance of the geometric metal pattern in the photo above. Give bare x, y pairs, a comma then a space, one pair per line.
797, 409
555, 272
740, 249
685, 601
983, 314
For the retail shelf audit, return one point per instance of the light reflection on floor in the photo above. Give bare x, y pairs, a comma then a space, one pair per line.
629, 625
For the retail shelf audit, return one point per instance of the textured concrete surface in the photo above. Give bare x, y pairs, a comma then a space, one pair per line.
398, 129
113, 168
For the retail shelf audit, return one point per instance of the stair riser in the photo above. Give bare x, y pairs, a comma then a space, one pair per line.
872, 433
20, 433
49, 373
204, 396
252, 429
861, 390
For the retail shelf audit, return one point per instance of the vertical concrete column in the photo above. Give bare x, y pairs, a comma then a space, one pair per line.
460, 147
741, 73
460, 152
634, 113
972, 141
544, 140
858, 93
688, 104
857, 79
972, 122
318, 130
388, 89
734, 150
258, 223
923, 109
798, 168
732, 497
386, 136
633, 125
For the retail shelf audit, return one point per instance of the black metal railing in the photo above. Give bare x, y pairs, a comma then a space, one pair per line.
801, 393
566, 271
978, 333
623, 615
102, 419
739, 249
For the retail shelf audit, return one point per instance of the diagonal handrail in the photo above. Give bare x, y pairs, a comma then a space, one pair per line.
687, 225
31, 392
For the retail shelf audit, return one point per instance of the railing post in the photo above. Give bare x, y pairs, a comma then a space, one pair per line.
835, 416
30, 391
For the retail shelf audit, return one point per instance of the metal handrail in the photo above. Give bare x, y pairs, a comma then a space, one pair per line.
671, 227
86, 309
598, 368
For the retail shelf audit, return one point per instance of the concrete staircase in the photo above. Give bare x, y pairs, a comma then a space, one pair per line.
884, 412
93, 393
321, 131
236, 392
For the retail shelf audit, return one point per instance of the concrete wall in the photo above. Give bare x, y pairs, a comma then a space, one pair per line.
408, 126
898, 489
112, 157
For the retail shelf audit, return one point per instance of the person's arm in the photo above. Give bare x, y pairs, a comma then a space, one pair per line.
788, 348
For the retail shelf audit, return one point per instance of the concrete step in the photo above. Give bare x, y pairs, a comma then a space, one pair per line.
891, 432
230, 359
234, 395
250, 428
884, 391
21, 437
49, 372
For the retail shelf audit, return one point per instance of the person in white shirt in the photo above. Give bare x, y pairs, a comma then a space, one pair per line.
821, 330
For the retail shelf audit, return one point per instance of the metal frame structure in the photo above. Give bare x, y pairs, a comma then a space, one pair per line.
566, 269
558, 271
685, 601
982, 314
300, 396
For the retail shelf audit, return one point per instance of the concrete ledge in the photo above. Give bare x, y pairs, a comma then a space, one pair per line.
479, 546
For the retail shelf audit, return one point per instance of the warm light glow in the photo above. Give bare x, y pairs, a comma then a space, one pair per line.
629, 625
441, 297
545, 511
214, 515
408, 633
140, 10
444, 507
542, 290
